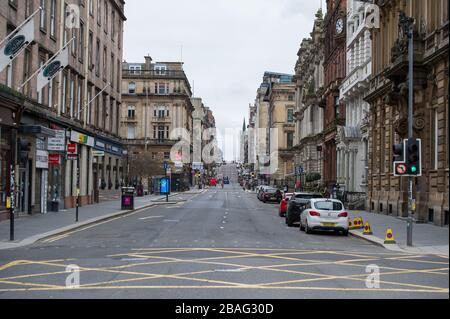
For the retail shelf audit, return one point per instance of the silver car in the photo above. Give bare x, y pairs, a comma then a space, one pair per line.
324, 215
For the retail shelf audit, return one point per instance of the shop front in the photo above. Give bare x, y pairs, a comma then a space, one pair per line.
5, 163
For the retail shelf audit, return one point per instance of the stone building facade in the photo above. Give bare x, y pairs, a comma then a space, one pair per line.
156, 102
388, 98
309, 78
282, 124
352, 140
61, 109
334, 70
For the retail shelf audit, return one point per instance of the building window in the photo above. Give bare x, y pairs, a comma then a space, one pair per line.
106, 17
167, 132
131, 112
90, 50
131, 133
81, 43
88, 110
72, 97
79, 98
161, 131
52, 17
166, 155
99, 12
132, 88
112, 71
162, 88
97, 58
43, 16
160, 69
290, 140
91, 7
105, 62
290, 116
64, 95
113, 25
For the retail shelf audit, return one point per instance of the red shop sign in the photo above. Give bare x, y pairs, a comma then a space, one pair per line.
54, 159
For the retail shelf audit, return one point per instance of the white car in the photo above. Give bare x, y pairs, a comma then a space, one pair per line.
325, 215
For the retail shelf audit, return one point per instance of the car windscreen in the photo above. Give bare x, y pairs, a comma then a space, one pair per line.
271, 190
328, 205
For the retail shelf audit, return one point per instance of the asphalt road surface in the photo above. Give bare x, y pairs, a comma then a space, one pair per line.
220, 244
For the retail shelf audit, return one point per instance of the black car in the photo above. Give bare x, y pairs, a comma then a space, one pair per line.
226, 181
297, 206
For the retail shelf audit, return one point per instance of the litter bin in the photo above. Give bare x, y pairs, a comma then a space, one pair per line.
127, 198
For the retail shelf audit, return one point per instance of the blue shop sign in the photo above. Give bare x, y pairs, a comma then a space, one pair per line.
101, 145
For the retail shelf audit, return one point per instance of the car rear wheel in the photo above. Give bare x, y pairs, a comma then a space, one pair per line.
307, 229
302, 228
345, 233
289, 222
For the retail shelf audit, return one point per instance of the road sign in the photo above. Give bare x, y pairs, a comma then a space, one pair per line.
72, 148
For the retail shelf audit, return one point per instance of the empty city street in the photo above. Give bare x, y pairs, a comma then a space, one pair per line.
216, 244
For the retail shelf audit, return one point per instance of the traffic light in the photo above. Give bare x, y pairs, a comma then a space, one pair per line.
407, 158
414, 157
24, 148
399, 152
399, 159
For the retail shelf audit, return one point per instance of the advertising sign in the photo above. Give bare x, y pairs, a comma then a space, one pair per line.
164, 186
41, 159
54, 159
82, 139
58, 143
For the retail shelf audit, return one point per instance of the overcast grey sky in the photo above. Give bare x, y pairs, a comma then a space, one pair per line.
227, 45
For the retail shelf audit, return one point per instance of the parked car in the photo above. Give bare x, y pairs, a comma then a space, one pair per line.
284, 204
260, 191
296, 206
271, 194
325, 215
226, 180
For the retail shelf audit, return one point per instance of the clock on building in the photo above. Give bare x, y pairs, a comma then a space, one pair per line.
339, 26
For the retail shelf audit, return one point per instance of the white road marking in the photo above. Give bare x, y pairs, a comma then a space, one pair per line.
150, 217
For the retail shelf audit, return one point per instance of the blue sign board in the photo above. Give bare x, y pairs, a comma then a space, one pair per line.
164, 186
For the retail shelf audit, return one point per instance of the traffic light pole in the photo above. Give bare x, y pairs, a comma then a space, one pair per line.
410, 129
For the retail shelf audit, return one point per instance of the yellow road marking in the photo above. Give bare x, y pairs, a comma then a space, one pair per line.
444, 291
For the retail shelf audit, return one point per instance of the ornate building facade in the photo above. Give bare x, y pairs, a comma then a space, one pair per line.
156, 101
61, 109
334, 69
282, 124
388, 98
352, 148
309, 78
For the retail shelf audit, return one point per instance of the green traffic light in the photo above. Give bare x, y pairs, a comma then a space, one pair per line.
414, 169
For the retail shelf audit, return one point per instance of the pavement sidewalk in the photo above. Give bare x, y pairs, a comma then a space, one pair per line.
30, 229
427, 239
